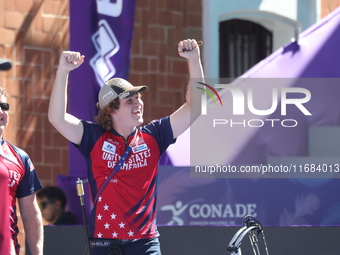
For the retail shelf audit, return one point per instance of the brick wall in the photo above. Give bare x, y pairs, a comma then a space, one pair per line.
159, 26
328, 6
32, 35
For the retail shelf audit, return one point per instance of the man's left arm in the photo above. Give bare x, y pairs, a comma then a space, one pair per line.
33, 224
182, 118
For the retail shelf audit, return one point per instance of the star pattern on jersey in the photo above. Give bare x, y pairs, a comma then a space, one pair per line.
100, 199
111, 224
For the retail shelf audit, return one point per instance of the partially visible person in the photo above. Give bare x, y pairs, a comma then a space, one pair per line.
5, 234
52, 202
23, 182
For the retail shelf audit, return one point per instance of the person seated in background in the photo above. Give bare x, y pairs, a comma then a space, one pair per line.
52, 202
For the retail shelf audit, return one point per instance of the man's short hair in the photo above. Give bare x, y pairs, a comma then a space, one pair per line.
53, 194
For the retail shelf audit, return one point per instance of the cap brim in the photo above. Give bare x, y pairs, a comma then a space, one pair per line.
136, 89
5, 64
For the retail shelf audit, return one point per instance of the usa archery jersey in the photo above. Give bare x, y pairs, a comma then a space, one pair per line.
23, 180
126, 209
5, 234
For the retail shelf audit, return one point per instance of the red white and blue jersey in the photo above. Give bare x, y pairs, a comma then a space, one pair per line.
22, 180
5, 233
126, 209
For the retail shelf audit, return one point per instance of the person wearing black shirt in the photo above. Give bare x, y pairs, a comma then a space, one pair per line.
52, 202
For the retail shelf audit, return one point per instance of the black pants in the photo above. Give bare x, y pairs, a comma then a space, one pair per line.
117, 247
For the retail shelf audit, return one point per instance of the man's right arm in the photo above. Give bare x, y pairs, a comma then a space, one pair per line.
67, 125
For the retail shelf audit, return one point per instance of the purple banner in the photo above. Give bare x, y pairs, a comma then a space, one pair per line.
102, 31
187, 201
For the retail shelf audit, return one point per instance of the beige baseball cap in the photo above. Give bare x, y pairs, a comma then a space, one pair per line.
117, 87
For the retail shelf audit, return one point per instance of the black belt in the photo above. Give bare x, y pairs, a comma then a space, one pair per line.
112, 245
102, 242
